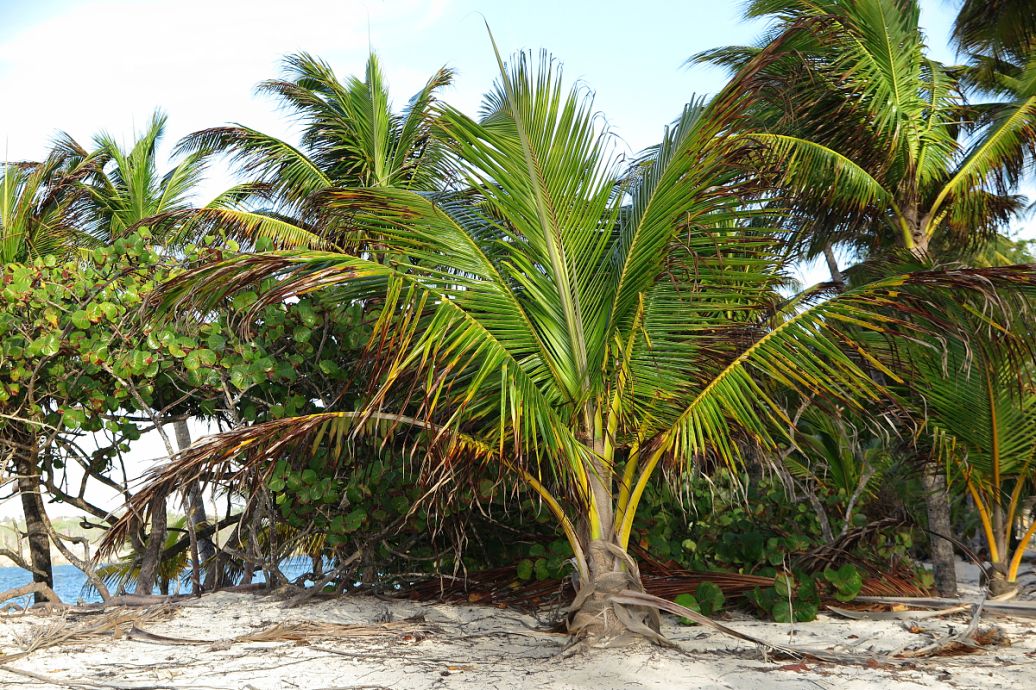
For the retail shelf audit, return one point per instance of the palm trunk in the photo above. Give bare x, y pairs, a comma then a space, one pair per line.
832, 265
937, 502
35, 515
998, 580
917, 222
598, 616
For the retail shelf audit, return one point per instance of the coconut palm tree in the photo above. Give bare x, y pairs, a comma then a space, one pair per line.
126, 187
350, 138
39, 208
864, 130
872, 146
981, 422
570, 323
124, 191
999, 29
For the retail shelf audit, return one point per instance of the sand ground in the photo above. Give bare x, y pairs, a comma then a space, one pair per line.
416, 646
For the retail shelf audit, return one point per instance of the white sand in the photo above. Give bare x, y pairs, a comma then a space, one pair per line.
480, 647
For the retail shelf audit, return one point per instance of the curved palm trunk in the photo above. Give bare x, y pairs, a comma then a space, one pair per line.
206, 549
151, 559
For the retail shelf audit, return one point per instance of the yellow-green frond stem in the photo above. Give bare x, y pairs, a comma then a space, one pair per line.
630, 511
987, 523
1023, 544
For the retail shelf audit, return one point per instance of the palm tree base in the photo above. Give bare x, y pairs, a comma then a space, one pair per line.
601, 615
999, 586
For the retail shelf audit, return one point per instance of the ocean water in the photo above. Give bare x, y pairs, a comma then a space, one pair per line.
70, 583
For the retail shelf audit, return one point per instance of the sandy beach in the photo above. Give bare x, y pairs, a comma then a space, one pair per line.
254, 642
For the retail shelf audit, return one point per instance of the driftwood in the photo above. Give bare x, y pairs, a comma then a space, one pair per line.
33, 588
1009, 608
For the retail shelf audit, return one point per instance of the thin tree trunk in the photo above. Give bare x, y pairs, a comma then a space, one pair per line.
832, 265
937, 502
196, 508
152, 556
35, 529
597, 618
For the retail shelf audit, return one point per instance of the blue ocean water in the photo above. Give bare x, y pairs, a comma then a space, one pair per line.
70, 582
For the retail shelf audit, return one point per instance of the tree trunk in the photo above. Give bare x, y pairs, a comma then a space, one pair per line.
832, 265
597, 618
35, 529
937, 502
196, 509
152, 557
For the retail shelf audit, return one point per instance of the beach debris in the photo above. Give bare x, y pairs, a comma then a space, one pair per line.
301, 632
26, 590
69, 628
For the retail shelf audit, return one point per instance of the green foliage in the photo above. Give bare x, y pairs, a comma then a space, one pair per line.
748, 528
707, 600
79, 354
846, 581
733, 525
791, 599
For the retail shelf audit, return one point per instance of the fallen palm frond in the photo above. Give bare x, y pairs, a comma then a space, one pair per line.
968, 641
1013, 608
302, 631
501, 587
308, 630
896, 615
63, 629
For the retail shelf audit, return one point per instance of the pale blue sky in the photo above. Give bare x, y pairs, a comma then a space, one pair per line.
83, 65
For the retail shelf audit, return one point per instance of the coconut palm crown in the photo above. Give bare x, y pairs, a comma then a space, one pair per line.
871, 137
350, 137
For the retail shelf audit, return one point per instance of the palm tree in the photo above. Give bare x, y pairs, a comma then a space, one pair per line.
126, 186
998, 29
569, 324
39, 212
350, 138
982, 424
864, 130
872, 146
124, 191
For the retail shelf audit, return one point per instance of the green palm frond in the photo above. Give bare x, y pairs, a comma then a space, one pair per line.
41, 206
264, 159
864, 132
126, 189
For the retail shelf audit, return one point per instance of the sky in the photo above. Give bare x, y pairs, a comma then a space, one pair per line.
86, 66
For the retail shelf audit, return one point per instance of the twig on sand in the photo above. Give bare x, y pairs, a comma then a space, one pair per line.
966, 641
87, 684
